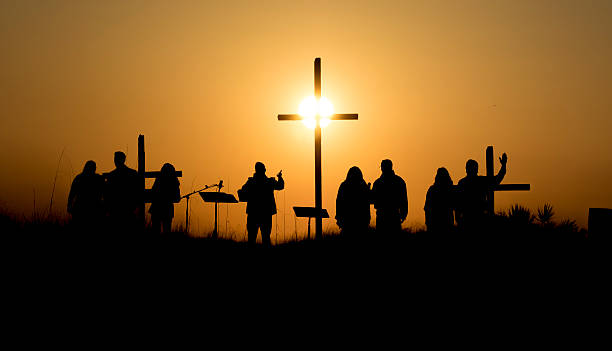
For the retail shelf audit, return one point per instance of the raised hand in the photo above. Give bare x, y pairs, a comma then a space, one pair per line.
503, 159
280, 174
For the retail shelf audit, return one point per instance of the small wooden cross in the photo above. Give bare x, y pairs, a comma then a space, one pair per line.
500, 187
317, 130
147, 195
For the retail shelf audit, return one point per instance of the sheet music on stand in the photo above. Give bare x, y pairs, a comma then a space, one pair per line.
217, 197
310, 212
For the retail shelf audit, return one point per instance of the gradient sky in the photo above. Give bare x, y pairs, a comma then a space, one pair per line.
434, 83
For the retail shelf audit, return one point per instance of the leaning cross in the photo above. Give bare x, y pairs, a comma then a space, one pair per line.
317, 130
500, 187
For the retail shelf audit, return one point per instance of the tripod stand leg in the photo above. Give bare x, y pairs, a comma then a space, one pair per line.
215, 233
187, 217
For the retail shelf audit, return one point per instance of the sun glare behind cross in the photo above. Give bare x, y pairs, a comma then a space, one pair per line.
313, 110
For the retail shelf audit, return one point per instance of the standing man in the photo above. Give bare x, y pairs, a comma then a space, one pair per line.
390, 200
258, 192
473, 196
122, 196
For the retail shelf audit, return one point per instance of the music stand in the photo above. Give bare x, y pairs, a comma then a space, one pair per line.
310, 212
187, 196
217, 197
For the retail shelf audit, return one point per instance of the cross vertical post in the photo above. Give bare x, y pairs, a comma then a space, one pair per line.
490, 176
317, 131
141, 174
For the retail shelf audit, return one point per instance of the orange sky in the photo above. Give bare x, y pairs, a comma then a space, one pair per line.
433, 82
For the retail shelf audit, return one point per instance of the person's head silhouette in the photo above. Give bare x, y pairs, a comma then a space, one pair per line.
443, 177
119, 159
167, 170
90, 167
471, 168
260, 169
386, 166
354, 175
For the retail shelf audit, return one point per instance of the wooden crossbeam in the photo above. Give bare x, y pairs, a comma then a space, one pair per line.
292, 117
155, 174
151, 174
513, 187
334, 117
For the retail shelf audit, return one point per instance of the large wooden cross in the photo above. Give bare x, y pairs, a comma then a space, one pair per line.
500, 187
317, 131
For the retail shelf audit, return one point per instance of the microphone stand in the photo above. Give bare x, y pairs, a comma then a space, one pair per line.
187, 196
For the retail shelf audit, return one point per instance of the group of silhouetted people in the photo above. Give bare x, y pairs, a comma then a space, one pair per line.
115, 199
466, 203
388, 194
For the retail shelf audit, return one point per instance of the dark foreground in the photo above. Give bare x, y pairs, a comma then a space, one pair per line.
502, 248
507, 248
518, 278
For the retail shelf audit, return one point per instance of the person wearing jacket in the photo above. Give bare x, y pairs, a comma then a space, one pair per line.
258, 192
390, 200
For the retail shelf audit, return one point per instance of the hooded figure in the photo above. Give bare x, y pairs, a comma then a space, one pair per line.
439, 203
258, 192
353, 203
85, 197
165, 192
390, 200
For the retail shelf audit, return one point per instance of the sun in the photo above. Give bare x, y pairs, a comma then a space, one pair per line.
314, 110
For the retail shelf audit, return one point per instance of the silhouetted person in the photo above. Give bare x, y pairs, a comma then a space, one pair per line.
165, 192
439, 204
258, 191
353, 204
390, 200
123, 196
85, 198
473, 193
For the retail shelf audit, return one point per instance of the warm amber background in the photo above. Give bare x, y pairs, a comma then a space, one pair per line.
433, 82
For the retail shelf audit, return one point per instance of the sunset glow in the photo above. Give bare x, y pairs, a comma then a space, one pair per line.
434, 83
310, 109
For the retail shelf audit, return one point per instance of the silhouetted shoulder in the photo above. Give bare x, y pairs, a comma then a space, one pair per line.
400, 180
377, 182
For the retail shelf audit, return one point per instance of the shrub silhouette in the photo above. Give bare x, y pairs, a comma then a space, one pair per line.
519, 216
545, 215
568, 226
